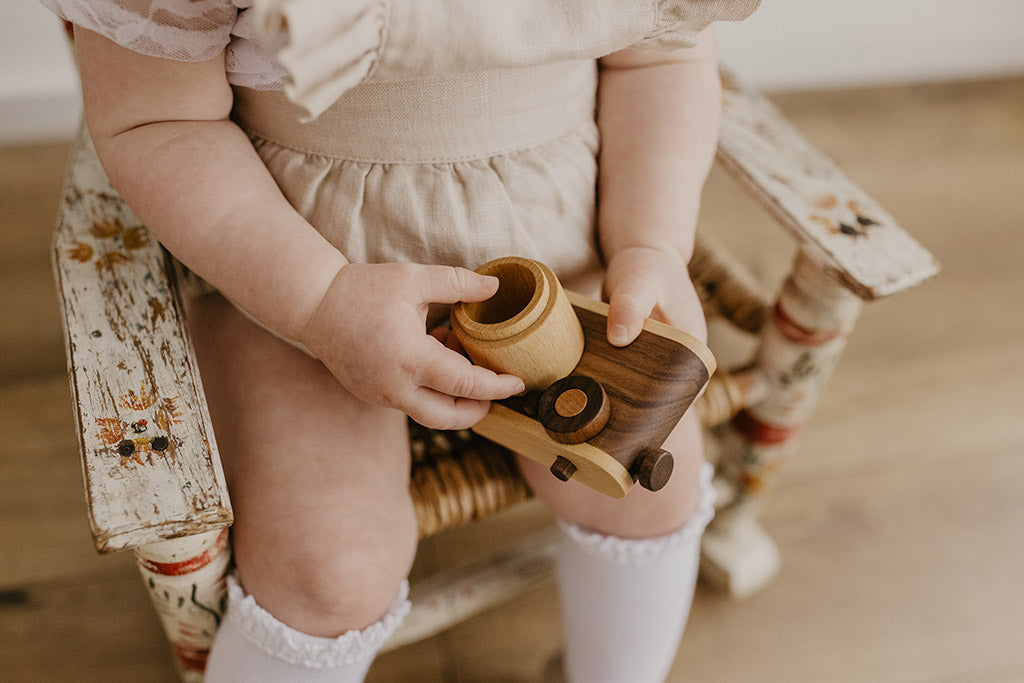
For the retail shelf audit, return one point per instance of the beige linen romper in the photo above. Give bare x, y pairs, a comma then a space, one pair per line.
451, 132
431, 131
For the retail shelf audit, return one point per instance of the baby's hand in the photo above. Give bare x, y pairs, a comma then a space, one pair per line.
644, 282
370, 332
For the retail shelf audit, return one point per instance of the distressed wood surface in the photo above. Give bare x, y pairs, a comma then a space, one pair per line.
148, 452
799, 348
186, 580
846, 232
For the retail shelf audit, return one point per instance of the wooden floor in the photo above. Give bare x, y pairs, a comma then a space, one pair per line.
900, 519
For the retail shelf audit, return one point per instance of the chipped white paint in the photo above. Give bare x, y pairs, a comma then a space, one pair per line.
841, 228
148, 453
799, 347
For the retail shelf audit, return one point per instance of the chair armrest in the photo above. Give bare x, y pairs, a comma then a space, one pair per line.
843, 230
148, 453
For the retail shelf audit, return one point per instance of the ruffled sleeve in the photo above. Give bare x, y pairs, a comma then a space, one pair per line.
677, 22
331, 46
328, 47
182, 30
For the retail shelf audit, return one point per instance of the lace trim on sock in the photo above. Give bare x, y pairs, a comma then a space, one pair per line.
641, 552
283, 642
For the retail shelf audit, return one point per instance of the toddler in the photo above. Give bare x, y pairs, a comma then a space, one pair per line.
335, 169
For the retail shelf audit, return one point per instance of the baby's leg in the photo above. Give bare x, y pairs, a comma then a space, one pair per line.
324, 531
627, 568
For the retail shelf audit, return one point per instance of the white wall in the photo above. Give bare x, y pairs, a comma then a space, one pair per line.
800, 44
787, 44
39, 97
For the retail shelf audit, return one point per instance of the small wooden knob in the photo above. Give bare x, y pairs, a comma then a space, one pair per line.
574, 409
563, 468
652, 468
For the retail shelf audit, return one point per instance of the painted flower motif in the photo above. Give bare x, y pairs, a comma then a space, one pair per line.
125, 240
106, 229
111, 430
826, 202
135, 238
134, 441
111, 259
137, 401
848, 219
167, 414
81, 252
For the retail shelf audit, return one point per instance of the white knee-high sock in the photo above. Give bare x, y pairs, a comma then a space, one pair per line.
253, 647
625, 601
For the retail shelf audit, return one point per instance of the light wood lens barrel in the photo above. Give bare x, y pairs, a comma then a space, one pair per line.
528, 328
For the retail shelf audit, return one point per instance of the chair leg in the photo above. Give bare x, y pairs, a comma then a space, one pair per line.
186, 581
800, 347
454, 595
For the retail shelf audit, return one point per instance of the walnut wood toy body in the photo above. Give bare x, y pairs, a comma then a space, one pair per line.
605, 411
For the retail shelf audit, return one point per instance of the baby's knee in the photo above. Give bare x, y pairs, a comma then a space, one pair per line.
350, 590
330, 585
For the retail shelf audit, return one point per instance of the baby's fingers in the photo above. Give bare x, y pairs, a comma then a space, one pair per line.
439, 411
450, 373
448, 285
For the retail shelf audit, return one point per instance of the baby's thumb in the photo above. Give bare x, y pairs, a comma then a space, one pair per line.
449, 285
628, 306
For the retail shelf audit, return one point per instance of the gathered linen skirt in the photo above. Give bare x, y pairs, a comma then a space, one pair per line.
454, 171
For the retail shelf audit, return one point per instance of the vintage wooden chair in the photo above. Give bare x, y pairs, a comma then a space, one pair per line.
152, 474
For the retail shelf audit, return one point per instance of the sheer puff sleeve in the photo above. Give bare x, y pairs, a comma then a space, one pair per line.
677, 22
182, 30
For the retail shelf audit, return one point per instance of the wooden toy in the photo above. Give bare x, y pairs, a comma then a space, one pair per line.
592, 412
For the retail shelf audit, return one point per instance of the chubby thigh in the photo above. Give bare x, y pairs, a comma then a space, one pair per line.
324, 530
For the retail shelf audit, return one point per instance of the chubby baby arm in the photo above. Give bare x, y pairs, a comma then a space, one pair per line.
161, 130
163, 133
659, 116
